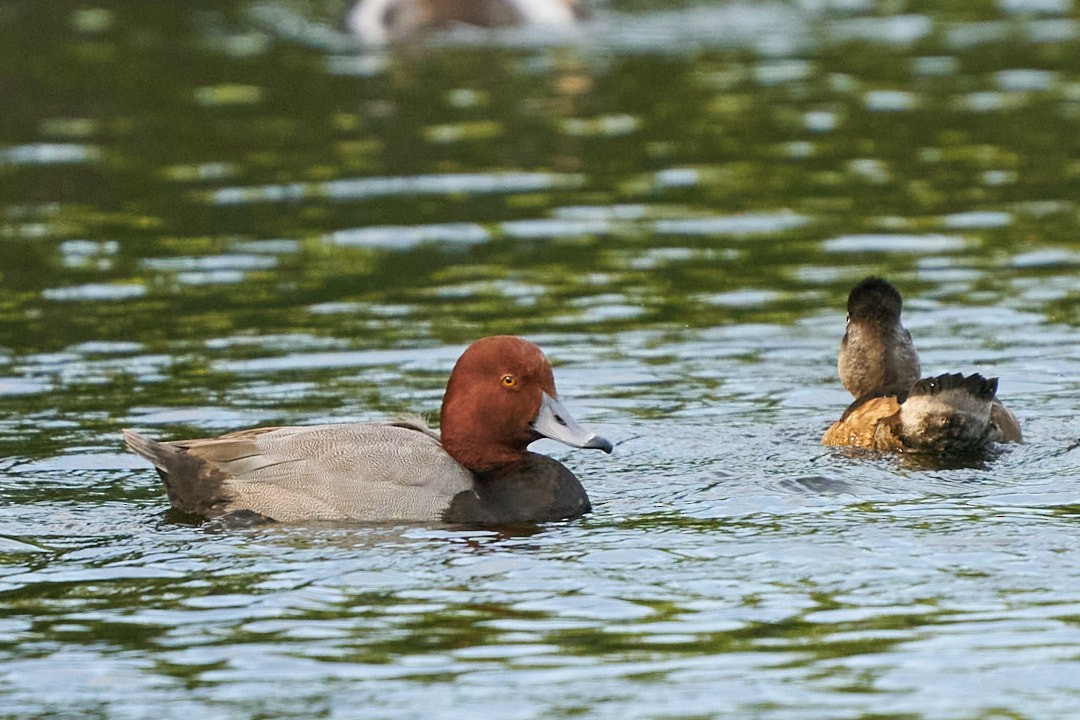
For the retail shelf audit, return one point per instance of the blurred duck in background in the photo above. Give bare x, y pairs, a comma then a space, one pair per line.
378, 22
894, 409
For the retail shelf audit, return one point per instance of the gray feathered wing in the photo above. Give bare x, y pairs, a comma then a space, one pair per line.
355, 471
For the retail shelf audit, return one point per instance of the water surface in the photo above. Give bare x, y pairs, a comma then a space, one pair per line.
219, 215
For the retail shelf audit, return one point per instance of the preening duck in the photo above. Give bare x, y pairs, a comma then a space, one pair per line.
894, 409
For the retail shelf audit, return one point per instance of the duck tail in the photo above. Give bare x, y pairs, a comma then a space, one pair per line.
192, 485
948, 414
152, 450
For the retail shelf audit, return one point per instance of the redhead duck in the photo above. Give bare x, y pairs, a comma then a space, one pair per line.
381, 21
500, 397
894, 410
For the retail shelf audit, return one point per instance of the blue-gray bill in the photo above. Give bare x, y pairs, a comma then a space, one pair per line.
554, 422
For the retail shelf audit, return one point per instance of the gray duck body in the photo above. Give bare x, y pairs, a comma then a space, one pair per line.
368, 472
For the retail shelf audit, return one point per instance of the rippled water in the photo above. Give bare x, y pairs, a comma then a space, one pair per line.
222, 214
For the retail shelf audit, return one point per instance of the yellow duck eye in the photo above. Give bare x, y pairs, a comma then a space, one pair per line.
509, 381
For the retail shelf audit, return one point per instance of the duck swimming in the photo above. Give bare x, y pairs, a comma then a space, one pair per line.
500, 398
894, 409
378, 22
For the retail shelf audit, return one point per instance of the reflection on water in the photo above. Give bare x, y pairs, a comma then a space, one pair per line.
218, 215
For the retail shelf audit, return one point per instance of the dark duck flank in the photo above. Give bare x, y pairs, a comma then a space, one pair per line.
894, 409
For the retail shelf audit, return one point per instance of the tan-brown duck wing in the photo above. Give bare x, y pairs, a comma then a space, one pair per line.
859, 424
357, 471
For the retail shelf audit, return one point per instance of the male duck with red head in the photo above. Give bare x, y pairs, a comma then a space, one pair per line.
500, 398
894, 409
378, 22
